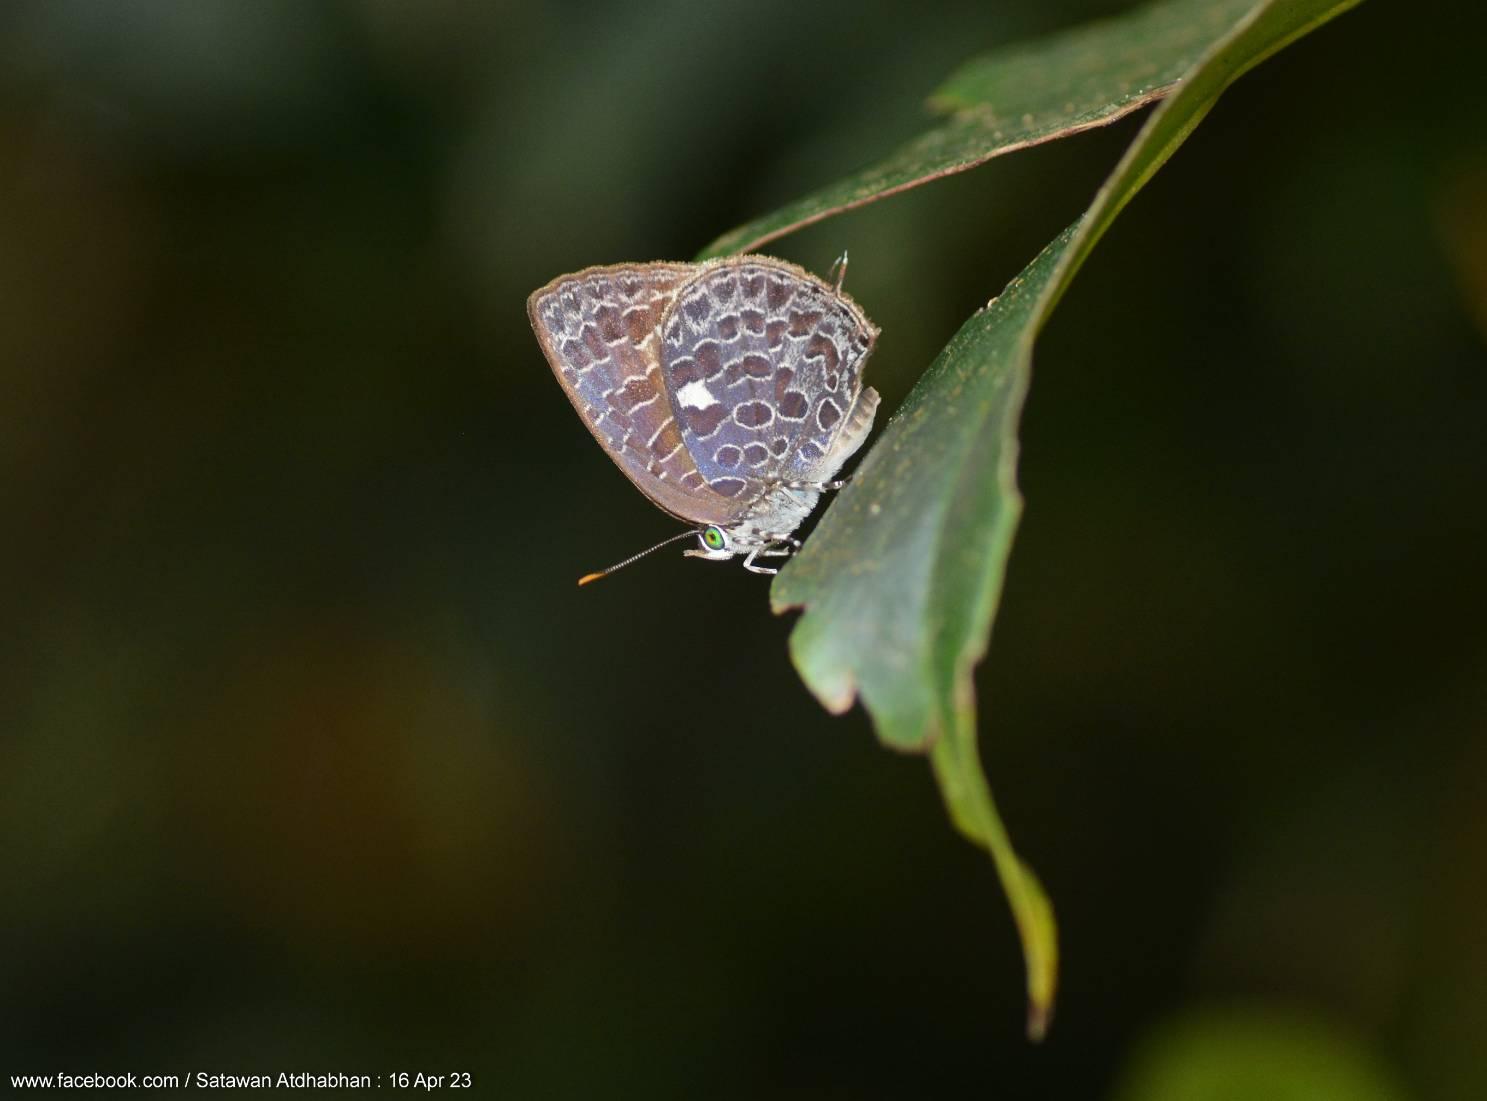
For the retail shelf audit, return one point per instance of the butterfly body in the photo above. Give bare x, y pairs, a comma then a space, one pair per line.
729, 392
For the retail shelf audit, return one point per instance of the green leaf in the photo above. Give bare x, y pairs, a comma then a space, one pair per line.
1217, 1055
902, 578
1024, 95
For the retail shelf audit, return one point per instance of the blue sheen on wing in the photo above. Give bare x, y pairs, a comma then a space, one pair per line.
762, 363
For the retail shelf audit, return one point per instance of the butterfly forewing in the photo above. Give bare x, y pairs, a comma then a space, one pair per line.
600, 330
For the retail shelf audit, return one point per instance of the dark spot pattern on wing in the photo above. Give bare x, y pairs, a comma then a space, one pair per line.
748, 347
601, 332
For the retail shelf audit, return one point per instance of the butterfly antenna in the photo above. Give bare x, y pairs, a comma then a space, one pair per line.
586, 578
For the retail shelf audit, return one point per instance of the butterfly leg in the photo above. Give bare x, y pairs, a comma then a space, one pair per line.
748, 562
816, 487
774, 544
839, 270
782, 549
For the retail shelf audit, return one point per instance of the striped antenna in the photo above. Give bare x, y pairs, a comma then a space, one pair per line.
586, 578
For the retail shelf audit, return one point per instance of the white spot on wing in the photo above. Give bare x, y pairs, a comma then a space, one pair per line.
696, 395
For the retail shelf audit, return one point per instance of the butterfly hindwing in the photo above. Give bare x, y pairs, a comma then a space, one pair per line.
762, 364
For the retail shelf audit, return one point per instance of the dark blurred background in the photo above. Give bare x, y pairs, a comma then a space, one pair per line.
312, 756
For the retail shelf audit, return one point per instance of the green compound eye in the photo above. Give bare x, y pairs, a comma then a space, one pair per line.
713, 539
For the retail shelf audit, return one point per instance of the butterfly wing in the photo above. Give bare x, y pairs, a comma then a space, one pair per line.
762, 363
600, 331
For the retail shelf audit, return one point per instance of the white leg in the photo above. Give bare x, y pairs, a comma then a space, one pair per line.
816, 487
839, 269
748, 563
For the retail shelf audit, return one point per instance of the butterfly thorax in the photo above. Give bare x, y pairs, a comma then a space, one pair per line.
774, 516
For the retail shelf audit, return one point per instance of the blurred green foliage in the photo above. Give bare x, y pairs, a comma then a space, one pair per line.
311, 756
1240, 1053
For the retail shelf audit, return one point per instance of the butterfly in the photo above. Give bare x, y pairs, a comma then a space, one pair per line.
730, 392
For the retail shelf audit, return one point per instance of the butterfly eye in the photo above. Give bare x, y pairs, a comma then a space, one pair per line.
712, 539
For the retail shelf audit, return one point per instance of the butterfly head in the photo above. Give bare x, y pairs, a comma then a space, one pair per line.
714, 543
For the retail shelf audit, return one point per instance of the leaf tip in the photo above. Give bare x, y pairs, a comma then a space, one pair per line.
1039, 1017
839, 697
